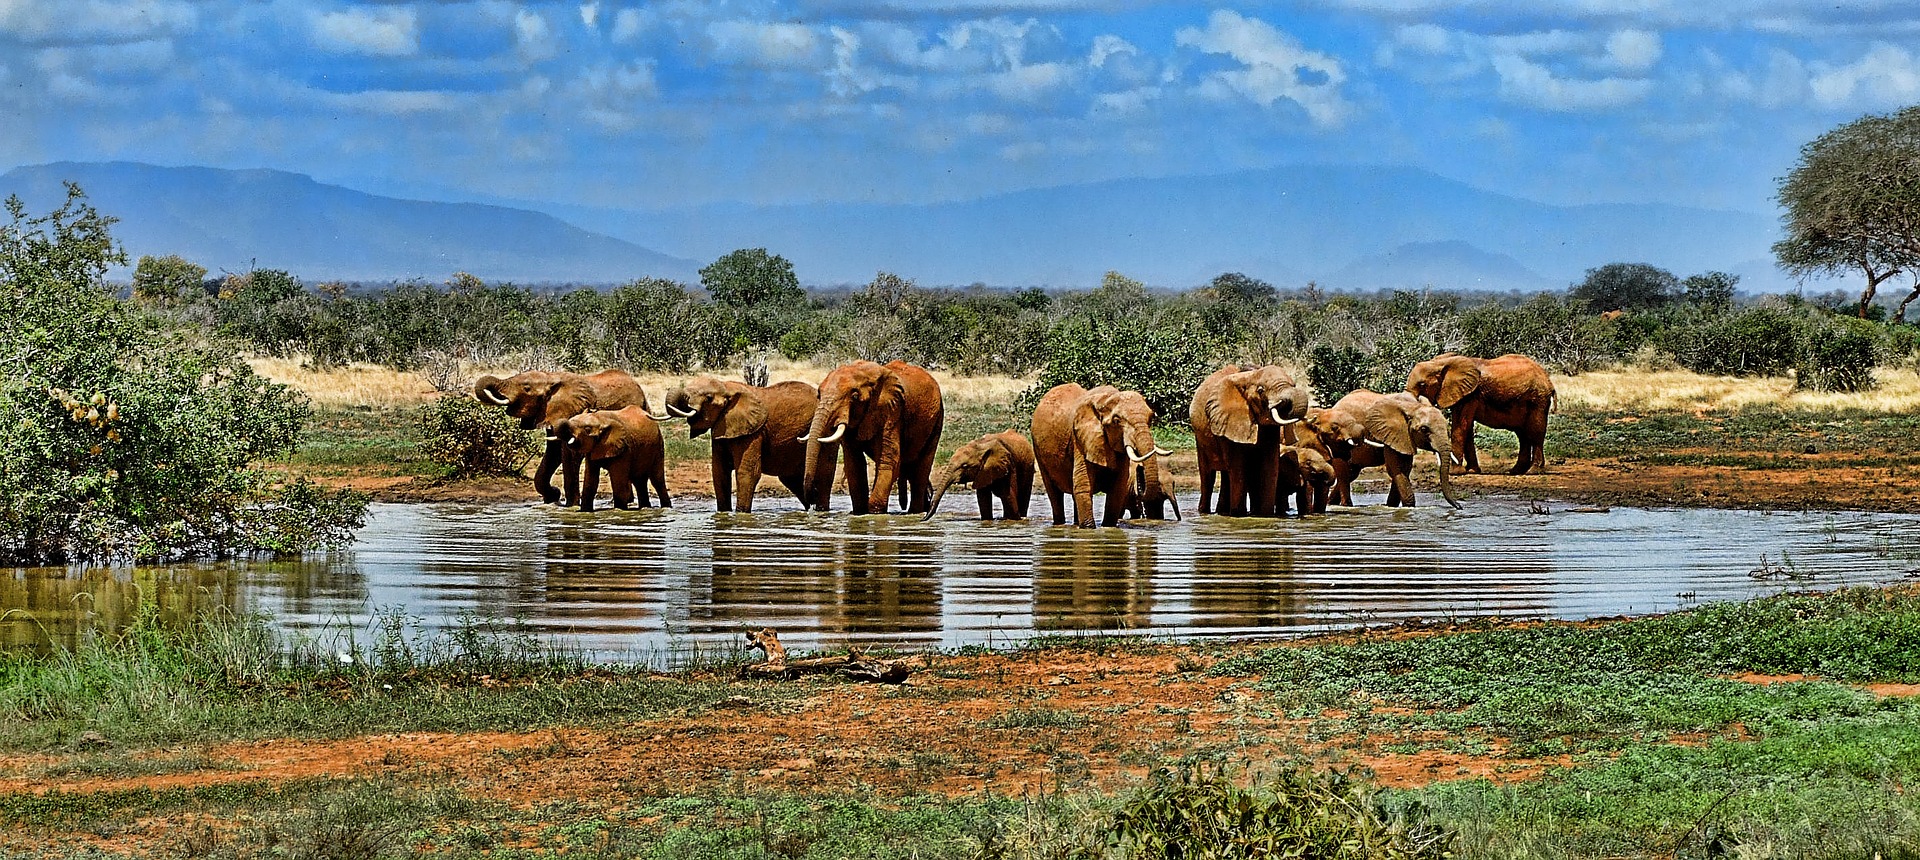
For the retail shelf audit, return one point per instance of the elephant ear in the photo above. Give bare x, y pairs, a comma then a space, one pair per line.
995, 463
1387, 424
1090, 433
566, 399
889, 397
1461, 378
744, 416
1230, 413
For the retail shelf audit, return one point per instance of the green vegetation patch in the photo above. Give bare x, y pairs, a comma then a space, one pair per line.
1555, 687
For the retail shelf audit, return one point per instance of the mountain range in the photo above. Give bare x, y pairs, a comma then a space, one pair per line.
1343, 226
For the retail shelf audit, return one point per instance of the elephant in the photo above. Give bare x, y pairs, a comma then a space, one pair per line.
1512, 392
1397, 426
755, 431
1237, 416
997, 465
1154, 506
627, 444
891, 413
543, 399
1305, 474
1080, 438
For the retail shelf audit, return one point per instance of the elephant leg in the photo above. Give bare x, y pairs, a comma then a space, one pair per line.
1082, 494
1342, 483
659, 479
1400, 469
620, 473
1009, 506
543, 475
822, 490
570, 464
856, 472
722, 477
591, 486
746, 475
884, 474
1206, 489
1119, 496
1022, 495
795, 484
1469, 451
984, 496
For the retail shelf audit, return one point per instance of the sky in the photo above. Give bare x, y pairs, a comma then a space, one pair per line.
653, 105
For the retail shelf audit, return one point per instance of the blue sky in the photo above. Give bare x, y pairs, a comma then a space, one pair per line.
656, 104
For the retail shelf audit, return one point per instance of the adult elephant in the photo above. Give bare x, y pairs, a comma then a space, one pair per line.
998, 465
1397, 426
890, 413
1095, 441
1237, 415
542, 399
627, 444
1512, 392
756, 430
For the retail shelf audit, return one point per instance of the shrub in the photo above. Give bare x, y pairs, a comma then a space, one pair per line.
1197, 813
1757, 341
1334, 372
468, 438
657, 324
1838, 353
1165, 363
122, 438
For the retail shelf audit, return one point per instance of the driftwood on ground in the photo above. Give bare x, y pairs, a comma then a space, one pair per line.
853, 665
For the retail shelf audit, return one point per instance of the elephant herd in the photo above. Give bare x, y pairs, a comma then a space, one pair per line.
1263, 450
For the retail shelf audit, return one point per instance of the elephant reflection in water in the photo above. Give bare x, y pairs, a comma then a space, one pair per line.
888, 584
771, 578
1095, 581
1245, 584
48, 609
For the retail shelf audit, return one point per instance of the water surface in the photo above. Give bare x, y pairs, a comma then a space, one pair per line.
646, 584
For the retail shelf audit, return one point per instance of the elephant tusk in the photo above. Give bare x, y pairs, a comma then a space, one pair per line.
661, 417
1455, 458
837, 433
494, 397
1375, 444
552, 438
1275, 412
807, 438
675, 411
1137, 458
1162, 451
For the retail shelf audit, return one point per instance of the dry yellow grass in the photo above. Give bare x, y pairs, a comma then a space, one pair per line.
1630, 390
1626, 390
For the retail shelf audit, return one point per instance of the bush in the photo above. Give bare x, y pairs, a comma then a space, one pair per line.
123, 438
1335, 372
1758, 341
1164, 363
1838, 353
1197, 813
468, 438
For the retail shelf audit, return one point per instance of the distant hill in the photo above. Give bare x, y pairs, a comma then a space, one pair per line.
1451, 264
1347, 227
1283, 224
234, 220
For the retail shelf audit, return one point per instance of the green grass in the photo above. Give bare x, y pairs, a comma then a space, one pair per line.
356, 441
232, 678
1874, 438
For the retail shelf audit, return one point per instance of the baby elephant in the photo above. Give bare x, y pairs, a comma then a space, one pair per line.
1000, 465
1305, 475
626, 443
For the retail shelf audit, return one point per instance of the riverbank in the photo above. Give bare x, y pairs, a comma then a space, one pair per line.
1637, 438
1786, 726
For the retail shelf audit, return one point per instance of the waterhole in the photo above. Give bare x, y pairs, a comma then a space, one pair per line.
651, 584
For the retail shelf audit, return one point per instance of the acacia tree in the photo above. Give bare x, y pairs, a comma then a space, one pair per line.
1852, 203
1627, 286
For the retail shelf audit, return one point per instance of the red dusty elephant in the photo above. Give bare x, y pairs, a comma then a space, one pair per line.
889, 413
1237, 416
1396, 426
1095, 441
998, 465
543, 399
1512, 392
627, 444
755, 431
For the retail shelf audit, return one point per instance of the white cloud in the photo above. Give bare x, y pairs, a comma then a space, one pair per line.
80, 21
1528, 83
1106, 46
1634, 50
1783, 82
1030, 83
378, 32
1276, 67
1885, 76
772, 45
590, 15
628, 24
533, 37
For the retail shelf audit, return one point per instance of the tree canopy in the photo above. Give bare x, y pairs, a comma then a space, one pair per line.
1627, 287
750, 277
1852, 203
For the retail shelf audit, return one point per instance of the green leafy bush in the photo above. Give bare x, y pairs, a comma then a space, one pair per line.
1198, 813
123, 438
1334, 372
1164, 363
1838, 353
469, 438
1757, 341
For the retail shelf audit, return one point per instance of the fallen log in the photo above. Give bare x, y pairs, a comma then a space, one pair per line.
852, 665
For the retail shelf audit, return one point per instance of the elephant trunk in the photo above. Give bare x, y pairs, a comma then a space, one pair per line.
485, 391
1151, 490
1289, 407
814, 431
1442, 453
938, 494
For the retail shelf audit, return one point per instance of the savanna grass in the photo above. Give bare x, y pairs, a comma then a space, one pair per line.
237, 677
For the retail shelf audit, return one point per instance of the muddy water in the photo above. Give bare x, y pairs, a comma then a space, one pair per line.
649, 584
